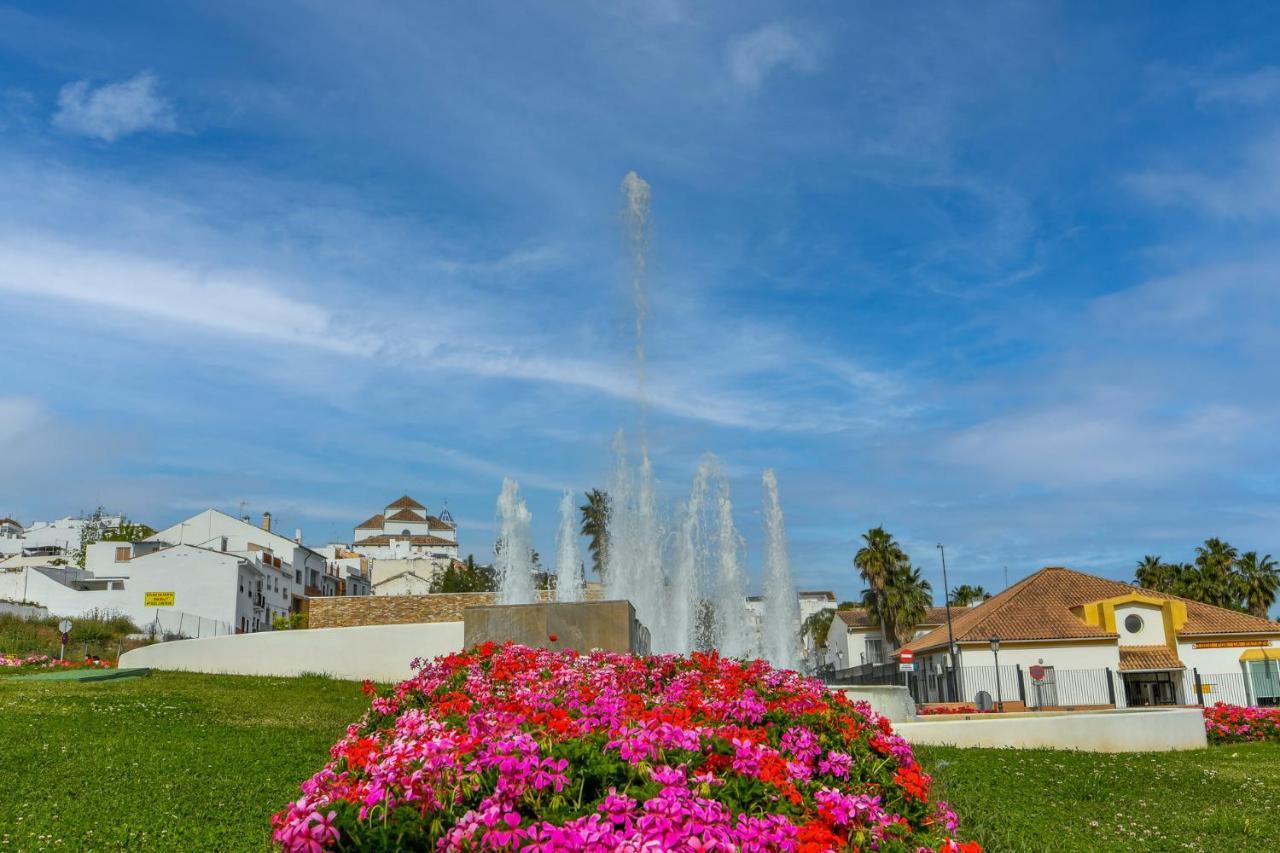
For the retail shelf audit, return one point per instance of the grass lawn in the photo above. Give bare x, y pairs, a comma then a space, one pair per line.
196, 762
174, 761
1226, 798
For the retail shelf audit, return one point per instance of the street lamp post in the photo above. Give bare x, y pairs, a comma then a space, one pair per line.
946, 599
995, 650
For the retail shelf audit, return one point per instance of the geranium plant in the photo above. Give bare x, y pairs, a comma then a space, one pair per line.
512, 748
1240, 724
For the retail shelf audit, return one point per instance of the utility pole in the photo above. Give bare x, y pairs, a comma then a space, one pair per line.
946, 597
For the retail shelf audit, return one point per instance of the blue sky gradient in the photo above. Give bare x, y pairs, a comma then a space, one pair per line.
1000, 276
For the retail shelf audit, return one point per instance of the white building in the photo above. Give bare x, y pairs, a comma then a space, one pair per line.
182, 589
10, 537
854, 639
1098, 641
60, 537
405, 530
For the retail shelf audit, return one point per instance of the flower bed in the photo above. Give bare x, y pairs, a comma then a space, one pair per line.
937, 710
1238, 724
15, 663
515, 748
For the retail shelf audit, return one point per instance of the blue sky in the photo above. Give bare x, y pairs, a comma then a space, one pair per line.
1000, 276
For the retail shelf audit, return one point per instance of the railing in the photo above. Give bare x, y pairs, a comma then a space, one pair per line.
178, 625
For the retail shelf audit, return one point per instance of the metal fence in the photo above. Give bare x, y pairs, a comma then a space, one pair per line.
1057, 688
178, 625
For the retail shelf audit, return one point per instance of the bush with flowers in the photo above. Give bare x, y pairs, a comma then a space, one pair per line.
28, 663
513, 748
939, 710
1240, 724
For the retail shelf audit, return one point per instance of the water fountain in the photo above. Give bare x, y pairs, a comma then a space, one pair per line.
682, 571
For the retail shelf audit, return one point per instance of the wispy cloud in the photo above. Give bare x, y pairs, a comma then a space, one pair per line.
1253, 88
752, 57
1248, 188
114, 110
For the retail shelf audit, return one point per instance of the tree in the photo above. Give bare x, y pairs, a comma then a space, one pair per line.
1216, 582
595, 526
901, 605
1152, 573
965, 595
1258, 580
129, 531
877, 561
818, 626
90, 532
465, 577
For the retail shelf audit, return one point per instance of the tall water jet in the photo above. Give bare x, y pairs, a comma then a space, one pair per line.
512, 552
633, 568
690, 618
569, 580
635, 215
735, 635
780, 626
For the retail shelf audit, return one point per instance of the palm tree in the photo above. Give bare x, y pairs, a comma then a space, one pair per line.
1153, 574
965, 595
595, 526
1258, 580
818, 626
901, 605
1216, 584
878, 557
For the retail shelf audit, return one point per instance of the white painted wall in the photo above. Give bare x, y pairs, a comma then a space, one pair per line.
405, 584
1163, 730
1060, 656
378, 652
1152, 631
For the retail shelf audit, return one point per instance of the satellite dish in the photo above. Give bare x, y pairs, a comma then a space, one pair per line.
983, 701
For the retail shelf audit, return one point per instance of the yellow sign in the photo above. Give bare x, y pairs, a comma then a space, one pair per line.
1206, 688
1233, 644
157, 599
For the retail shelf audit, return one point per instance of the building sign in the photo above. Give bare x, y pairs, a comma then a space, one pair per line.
158, 599
1233, 644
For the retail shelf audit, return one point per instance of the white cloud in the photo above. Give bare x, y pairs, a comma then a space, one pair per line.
756, 55
1251, 89
229, 301
1251, 191
113, 110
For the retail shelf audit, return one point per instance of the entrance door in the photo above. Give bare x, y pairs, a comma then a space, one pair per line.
1265, 675
1148, 689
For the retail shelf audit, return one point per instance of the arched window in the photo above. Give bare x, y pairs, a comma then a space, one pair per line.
405, 533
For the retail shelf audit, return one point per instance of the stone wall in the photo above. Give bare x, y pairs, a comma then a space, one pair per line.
346, 611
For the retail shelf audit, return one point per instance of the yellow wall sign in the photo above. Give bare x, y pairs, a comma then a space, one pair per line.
157, 599
1233, 644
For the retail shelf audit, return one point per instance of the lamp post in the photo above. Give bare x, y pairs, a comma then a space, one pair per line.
995, 650
946, 600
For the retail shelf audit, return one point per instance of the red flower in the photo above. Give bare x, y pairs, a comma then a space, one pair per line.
553, 638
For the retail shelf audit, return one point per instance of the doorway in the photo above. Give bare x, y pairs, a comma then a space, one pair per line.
1148, 689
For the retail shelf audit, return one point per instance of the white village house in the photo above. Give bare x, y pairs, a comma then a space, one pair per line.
405, 530
210, 574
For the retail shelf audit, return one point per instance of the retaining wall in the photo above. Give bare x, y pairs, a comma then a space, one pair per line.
377, 652
1129, 730
345, 611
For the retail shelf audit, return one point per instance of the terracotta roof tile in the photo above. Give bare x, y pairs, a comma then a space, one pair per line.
384, 539
406, 515
1038, 607
375, 521
10, 521
1137, 658
860, 618
405, 502
439, 524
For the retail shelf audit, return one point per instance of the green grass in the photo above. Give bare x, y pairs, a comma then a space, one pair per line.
101, 634
174, 761
1220, 799
179, 761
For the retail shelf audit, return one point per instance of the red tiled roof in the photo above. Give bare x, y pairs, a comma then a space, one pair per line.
406, 515
405, 502
373, 522
860, 618
438, 524
1138, 658
384, 539
1038, 607
14, 522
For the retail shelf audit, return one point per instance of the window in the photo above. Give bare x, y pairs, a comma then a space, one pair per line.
405, 532
1133, 623
298, 578
875, 650
123, 554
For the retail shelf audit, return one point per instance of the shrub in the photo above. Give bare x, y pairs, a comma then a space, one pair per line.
529, 749
1239, 724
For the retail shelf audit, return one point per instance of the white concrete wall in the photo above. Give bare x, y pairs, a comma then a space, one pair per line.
404, 585
1058, 656
378, 652
1138, 730
1152, 631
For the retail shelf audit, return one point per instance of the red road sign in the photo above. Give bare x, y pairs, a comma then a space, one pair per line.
1036, 671
906, 656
